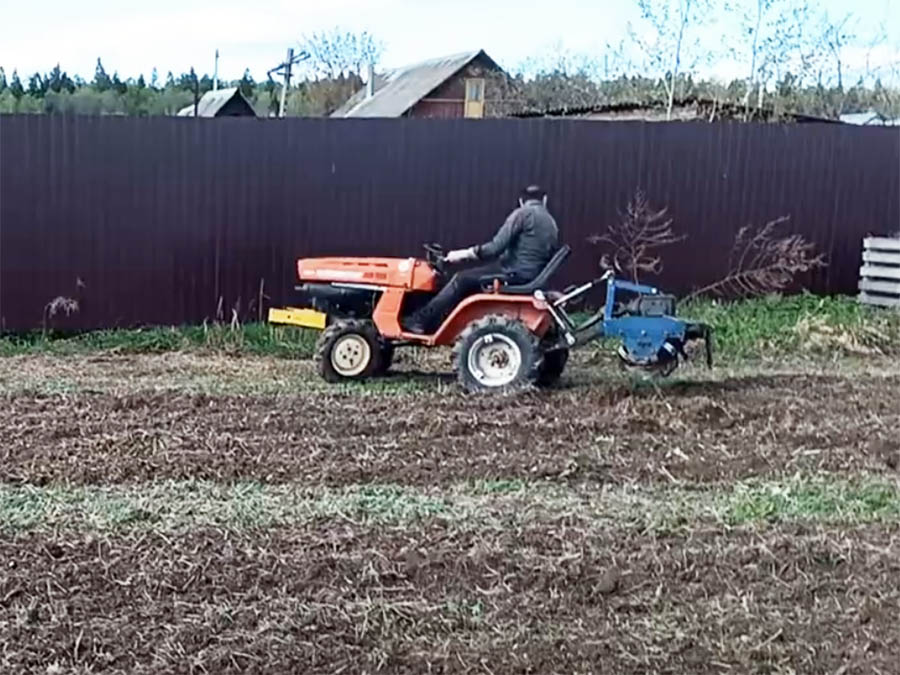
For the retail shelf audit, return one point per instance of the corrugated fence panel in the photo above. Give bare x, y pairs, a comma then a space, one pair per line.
170, 220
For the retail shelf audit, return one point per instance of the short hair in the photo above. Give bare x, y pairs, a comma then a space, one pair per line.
533, 192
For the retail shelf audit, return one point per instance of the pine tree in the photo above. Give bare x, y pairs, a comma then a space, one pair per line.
15, 85
101, 79
37, 86
154, 79
2, 80
58, 80
141, 84
247, 84
117, 84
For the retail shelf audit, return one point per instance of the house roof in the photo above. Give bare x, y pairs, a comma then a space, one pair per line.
722, 108
398, 90
870, 118
211, 103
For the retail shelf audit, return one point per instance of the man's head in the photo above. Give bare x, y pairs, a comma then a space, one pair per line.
533, 193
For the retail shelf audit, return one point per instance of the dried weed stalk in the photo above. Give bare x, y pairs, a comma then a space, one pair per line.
762, 262
59, 305
635, 238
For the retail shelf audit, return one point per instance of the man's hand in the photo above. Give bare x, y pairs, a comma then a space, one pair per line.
461, 255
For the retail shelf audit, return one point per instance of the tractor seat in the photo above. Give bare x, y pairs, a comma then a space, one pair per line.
540, 281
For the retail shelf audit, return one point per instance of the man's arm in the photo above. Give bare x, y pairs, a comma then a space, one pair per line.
504, 237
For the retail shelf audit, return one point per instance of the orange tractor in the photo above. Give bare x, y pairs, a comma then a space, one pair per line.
502, 336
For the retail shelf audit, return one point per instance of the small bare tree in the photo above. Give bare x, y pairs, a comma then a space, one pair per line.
634, 240
762, 262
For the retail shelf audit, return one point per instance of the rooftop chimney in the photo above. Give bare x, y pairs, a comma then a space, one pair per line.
370, 83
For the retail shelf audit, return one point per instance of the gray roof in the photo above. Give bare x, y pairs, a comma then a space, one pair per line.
398, 90
210, 103
870, 118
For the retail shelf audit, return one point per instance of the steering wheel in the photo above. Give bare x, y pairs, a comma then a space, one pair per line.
434, 254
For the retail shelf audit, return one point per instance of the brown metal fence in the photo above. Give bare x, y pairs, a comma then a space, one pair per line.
166, 221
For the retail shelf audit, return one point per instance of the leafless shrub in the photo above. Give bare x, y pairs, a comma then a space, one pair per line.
635, 238
59, 305
762, 262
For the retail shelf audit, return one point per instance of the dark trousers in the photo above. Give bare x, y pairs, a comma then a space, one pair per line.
463, 284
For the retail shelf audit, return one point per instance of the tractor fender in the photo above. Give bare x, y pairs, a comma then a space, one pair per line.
527, 309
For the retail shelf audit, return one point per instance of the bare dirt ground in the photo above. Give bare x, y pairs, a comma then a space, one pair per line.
113, 427
401, 582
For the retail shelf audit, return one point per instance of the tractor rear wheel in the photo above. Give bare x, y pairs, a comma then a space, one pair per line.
552, 366
496, 352
349, 349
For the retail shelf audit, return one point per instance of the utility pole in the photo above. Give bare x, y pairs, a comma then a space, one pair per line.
287, 79
285, 70
216, 72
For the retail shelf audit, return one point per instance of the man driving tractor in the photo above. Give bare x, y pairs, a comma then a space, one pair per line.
518, 252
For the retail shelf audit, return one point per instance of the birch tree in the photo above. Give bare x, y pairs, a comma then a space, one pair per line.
778, 36
672, 46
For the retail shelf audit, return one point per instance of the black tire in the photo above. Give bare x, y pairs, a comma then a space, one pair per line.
552, 366
512, 338
359, 338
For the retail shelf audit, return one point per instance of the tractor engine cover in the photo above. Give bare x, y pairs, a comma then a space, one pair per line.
656, 305
346, 302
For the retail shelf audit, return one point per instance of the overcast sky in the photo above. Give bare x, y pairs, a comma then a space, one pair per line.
134, 37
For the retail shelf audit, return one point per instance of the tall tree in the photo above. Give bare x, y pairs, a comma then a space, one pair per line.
674, 46
337, 52
102, 82
777, 38
3, 84
118, 85
15, 85
58, 80
37, 86
154, 79
246, 84
835, 36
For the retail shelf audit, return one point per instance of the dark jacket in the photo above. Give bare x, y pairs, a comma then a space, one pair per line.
525, 242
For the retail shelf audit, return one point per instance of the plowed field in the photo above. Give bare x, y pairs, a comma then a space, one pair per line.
202, 514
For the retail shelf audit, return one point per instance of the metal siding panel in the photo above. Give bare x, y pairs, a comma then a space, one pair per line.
162, 217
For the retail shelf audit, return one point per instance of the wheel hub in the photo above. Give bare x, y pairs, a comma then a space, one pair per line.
494, 360
351, 355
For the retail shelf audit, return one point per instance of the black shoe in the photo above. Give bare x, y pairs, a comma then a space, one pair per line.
416, 326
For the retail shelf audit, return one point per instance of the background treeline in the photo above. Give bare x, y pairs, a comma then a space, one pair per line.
792, 56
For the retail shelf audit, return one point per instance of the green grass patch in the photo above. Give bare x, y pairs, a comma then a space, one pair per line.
186, 505
498, 486
797, 325
175, 505
767, 327
254, 338
811, 499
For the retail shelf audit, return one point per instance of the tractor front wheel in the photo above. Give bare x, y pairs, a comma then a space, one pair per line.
496, 352
349, 350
